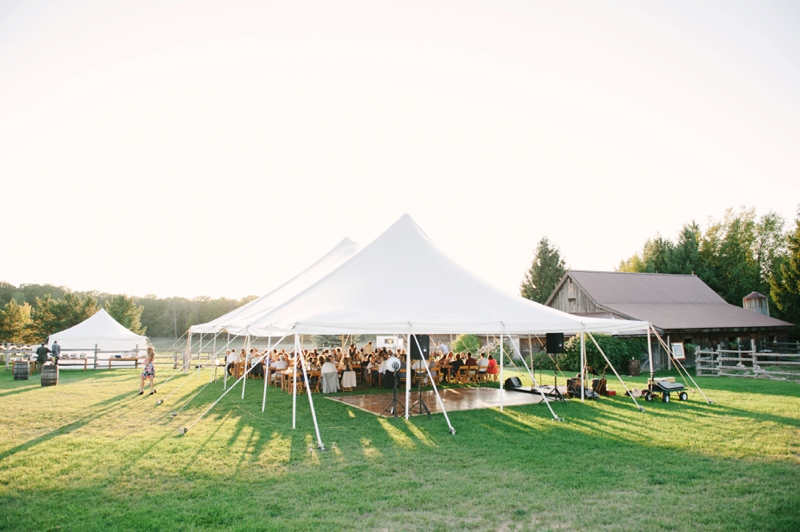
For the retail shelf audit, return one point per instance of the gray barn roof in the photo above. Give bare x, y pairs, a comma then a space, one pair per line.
670, 302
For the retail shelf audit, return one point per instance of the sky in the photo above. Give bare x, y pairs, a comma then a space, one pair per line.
217, 148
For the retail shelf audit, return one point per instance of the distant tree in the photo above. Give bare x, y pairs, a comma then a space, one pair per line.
685, 255
545, 272
655, 257
785, 279
15, 323
54, 315
124, 310
466, 343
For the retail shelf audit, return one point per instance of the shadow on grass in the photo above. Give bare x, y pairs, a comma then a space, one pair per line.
108, 406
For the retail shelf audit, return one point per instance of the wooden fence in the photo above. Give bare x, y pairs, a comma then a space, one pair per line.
752, 364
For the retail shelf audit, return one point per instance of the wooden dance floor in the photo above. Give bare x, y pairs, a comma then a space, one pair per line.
453, 399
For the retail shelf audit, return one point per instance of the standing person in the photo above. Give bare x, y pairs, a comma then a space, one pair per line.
149, 371
41, 355
443, 348
56, 350
368, 349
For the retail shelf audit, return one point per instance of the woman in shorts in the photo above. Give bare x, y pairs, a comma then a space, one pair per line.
149, 371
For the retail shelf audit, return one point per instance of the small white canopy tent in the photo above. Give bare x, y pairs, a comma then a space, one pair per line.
401, 283
103, 333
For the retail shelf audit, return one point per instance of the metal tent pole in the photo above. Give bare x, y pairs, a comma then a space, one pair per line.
583, 364
435, 390
246, 360
266, 373
294, 383
408, 373
502, 357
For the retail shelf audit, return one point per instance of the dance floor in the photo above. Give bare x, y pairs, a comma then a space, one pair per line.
453, 399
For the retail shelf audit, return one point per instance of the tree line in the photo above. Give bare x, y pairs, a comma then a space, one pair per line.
735, 255
29, 313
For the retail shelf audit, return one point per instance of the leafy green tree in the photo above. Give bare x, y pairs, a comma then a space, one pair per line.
685, 257
545, 272
54, 315
15, 323
655, 257
785, 279
124, 310
466, 343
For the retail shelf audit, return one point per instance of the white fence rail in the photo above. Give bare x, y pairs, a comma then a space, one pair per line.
729, 363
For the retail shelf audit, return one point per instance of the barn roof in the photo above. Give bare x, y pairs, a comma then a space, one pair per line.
668, 301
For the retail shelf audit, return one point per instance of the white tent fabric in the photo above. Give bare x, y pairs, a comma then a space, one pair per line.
236, 321
103, 331
402, 283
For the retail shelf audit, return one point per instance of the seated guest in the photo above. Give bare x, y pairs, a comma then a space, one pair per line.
257, 367
372, 371
231, 359
483, 363
492, 368
470, 361
455, 365
329, 366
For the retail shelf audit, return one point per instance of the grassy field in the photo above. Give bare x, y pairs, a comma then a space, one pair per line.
89, 454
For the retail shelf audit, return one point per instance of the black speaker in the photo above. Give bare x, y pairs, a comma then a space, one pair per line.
424, 344
555, 343
512, 382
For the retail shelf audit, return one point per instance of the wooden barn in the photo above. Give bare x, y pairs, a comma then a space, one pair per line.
682, 308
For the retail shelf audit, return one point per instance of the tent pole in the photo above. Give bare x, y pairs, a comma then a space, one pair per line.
435, 390
408, 373
583, 364
294, 383
246, 360
266, 372
320, 446
213, 357
502, 362
650, 357
680, 366
186, 352
533, 378
610, 365
225, 375
226, 392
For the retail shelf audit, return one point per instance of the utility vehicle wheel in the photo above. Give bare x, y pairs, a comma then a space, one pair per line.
665, 397
648, 396
683, 396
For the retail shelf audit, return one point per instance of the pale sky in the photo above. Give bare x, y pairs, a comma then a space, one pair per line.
187, 148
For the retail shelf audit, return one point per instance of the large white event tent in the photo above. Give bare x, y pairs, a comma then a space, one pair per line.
102, 335
401, 283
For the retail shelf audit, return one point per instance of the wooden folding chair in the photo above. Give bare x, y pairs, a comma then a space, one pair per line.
472, 374
461, 376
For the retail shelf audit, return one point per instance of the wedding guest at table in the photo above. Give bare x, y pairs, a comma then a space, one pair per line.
372, 371
231, 359
483, 363
470, 361
455, 365
492, 368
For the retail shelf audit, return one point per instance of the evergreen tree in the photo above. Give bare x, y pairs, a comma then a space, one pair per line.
15, 322
785, 280
545, 272
124, 310
54, 315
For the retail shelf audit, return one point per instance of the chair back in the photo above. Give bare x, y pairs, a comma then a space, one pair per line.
330, 383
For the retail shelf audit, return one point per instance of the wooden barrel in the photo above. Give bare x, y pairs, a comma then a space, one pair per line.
20, 370
634, 368
49, 375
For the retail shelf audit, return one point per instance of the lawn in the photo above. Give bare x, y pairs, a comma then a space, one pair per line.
89, 454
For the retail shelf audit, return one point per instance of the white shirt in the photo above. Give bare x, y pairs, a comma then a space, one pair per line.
483, 362
443, 348
329, 367
233, 357
280, 365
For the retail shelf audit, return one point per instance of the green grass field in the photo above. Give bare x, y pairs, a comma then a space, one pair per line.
89, 454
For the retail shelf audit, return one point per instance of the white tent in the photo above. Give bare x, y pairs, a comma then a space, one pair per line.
401, 283
236, 321
100, 332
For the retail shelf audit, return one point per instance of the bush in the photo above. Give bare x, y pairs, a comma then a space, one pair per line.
493, 348
466, 343
618, 350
